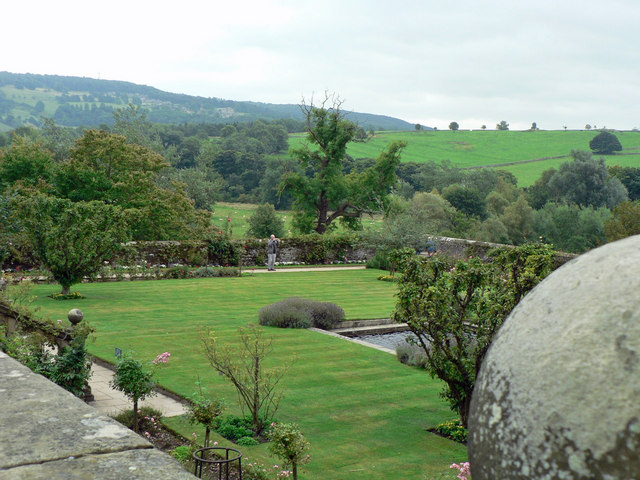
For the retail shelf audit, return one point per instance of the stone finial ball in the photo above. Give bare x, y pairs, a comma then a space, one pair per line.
558, 395
75, 316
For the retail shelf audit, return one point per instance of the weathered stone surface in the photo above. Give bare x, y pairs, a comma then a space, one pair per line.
131, 465
558, 394
48, 433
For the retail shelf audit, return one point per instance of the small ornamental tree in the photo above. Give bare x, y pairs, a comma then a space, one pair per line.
265, 221
454, 310
204, 410
71, 239
136, 380
288, 444
605, 143
257, 386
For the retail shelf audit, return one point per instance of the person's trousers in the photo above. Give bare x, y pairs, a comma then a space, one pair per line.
271, 261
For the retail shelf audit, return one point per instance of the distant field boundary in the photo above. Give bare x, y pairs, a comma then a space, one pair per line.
542, 159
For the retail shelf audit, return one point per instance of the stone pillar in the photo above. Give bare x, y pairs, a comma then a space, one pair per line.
558, 395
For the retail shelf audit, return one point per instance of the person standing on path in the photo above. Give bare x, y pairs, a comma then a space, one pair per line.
272, 250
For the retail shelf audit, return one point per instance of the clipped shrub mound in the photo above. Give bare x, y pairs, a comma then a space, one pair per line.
411, 355
297, 312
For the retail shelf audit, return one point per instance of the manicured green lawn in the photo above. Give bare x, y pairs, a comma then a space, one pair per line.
364, 413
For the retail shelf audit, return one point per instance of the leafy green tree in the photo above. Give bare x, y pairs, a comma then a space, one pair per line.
571, 228
265, 221
605, 143
518, 220
27, 161
454, 310
204, 186
71, 239
466, 200
630, 178
503, 125
105, 167
410, 223
586, 182
453, 126
624, 222
325, 193
288, 444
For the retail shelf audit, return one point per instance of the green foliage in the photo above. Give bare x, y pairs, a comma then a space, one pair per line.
605, 143
71, 367
466, 200
570, 228
454, 430
265, 222
247, 442
183, 453
127, 417
288, 444
454, 310
380, 260
325, 192
71, 239
204, 410
257, 386
70, 296
503, 125
411, 354
624, 222
630, 178
584, 181
221, 249
135, 380
234, 428
301, 313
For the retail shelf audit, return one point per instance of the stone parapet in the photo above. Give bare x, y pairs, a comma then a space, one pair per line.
49, 434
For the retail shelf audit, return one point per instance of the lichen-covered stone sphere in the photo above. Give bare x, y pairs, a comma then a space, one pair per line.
75, 316
558, 395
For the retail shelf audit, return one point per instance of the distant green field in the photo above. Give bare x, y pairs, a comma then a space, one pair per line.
467, 149
239, 213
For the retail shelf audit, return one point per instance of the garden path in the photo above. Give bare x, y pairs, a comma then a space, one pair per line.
109, 401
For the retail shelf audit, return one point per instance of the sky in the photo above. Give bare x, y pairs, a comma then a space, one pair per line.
559, 63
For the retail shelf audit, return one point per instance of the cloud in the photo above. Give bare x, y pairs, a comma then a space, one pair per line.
556, 63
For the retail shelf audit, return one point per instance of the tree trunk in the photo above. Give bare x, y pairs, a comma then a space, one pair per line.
135, 415
295, 471
206, 436
66, 289
464, 411
256, 396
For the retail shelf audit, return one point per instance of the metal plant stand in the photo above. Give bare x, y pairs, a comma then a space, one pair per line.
222, 461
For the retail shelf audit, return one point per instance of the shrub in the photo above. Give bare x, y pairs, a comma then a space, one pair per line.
301, 313
247, 442
380, 261
454, 430
234, 428
205, 272
126, 416
265, 222
184, 453
411, 355
176, 272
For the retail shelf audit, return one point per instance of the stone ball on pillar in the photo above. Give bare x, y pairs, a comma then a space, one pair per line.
75, 316
558, 395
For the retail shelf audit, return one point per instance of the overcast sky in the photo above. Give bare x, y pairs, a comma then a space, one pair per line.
557, 63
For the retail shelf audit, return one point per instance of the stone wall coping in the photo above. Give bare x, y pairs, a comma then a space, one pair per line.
49, 434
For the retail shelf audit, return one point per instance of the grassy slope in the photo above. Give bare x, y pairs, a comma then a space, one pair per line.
481, 148
364, 413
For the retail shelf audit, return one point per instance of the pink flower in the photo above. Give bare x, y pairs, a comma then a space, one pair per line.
162, 358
